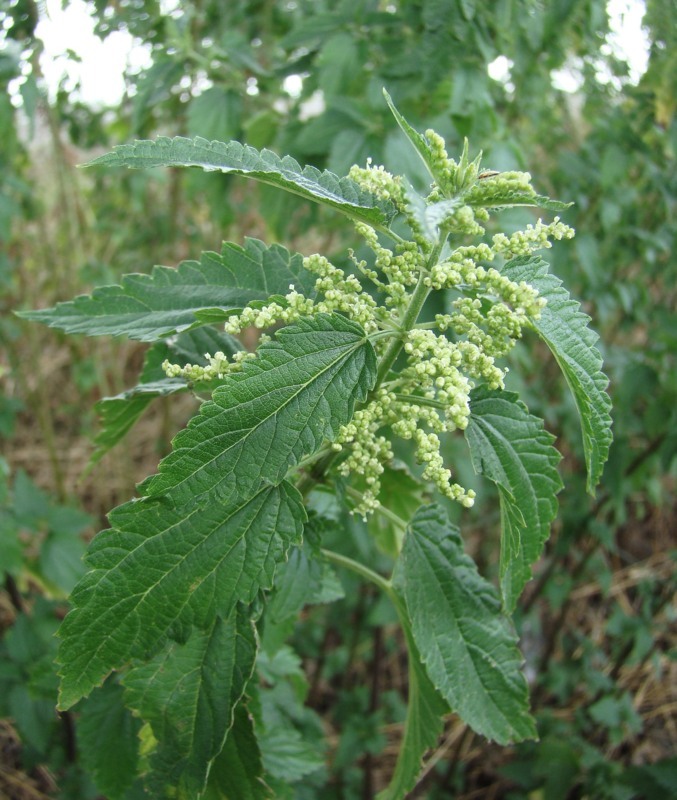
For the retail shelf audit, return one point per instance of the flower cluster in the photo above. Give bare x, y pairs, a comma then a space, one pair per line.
379, 182
217, 367
295, 307
436, 399
435, 365
367, 450
341, 292
534, 237
413, 416
464, 221
447, 358
461, 269
428, 453
400, 268
494, 331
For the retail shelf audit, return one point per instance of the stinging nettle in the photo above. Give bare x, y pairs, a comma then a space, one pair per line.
395, 348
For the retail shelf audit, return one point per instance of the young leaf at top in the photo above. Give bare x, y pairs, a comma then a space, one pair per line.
172, 690
467, 645
326, 188
419, 142
430, 217
461, 185
282, 405
510, 447
564, 328
162, 569
168, 301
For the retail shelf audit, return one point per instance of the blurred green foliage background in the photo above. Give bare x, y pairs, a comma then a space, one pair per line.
305, 77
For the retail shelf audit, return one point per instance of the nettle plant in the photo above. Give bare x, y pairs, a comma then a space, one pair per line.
227, 538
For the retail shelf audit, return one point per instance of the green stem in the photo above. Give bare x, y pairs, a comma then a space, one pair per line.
412, 651
409, 317
311, 459
359, 569
415, 305
421, 401
374, 337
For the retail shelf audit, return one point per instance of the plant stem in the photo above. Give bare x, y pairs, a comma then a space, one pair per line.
409, 317
418, 298
312, 459
421, 401
317, 472
359, 569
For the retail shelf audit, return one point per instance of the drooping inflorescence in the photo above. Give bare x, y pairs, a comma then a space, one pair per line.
443, 358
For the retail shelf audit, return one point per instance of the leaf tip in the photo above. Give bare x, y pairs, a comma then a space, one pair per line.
95, 162
66, 698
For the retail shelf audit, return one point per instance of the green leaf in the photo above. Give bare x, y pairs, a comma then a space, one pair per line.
511, 447
423, 725
419, 142
60, 559
162, 569
430, 217
216, 113
237, 771
188, 693
34, 718
117, 415
168, 301
481, 195
564, 328
326, 188
108, 740
467, 645
303, 580
283, 405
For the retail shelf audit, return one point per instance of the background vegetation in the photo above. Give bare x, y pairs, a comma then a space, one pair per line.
305, 78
